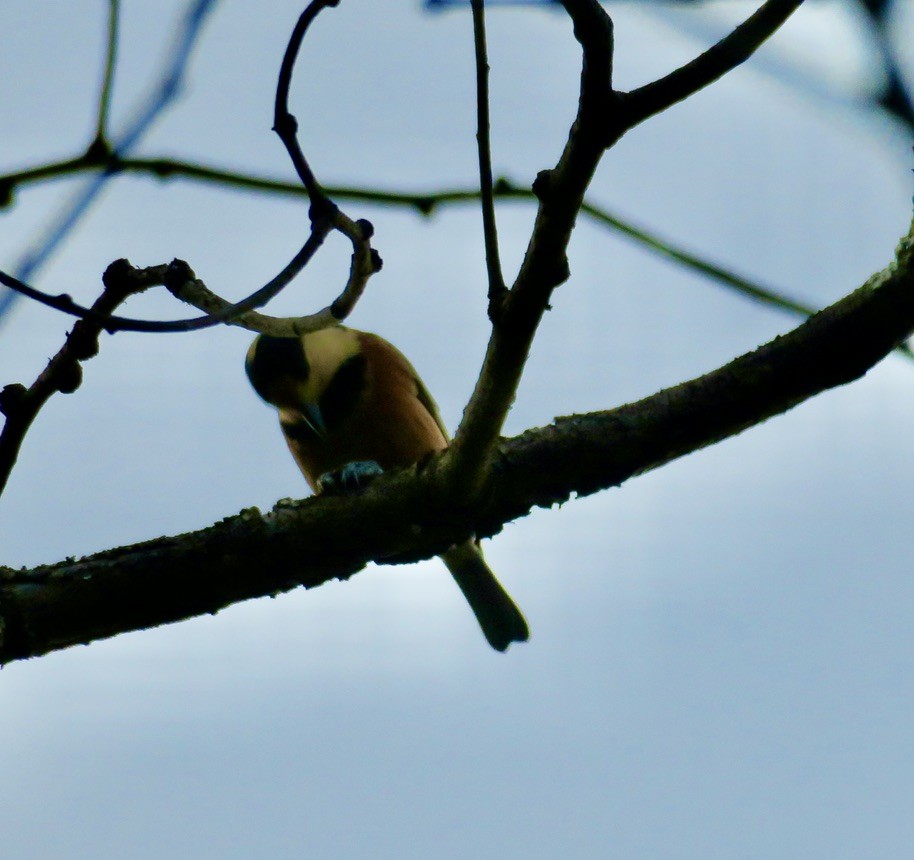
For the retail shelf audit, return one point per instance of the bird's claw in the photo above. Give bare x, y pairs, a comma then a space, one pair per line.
351, 478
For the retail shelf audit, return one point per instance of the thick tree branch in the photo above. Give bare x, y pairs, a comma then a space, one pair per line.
404, 516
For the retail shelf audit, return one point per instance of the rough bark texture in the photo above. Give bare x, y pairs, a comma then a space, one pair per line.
403, 517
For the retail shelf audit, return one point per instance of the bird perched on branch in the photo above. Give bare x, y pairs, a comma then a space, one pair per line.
350, 406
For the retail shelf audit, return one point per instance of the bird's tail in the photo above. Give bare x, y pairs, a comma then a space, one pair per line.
501, 621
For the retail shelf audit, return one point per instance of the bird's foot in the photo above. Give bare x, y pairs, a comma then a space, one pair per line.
352, 477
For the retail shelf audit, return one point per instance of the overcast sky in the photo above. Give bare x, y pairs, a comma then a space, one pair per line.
722, 653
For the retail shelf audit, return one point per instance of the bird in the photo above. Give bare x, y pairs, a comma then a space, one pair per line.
352, 406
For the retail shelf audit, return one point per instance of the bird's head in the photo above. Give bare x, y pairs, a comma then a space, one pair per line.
306, 374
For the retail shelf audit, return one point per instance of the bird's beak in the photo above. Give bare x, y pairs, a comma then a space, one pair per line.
314, 418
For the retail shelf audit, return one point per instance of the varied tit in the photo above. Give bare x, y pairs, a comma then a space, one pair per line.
349, 404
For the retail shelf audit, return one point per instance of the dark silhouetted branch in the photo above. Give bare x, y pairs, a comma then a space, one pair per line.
404, 516
545, 265
731, 51
63, 373
166, 89
104, 98
497, 288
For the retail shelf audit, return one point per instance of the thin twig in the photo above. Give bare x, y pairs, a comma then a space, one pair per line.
63, 373
323, 212
726, 55
184, 285
284, 123
116, 323
497, 288
163, 94
104, 99
325, 216
425, 203
365, 262
666, 248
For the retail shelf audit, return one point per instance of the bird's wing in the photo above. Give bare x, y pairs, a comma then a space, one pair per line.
426, 399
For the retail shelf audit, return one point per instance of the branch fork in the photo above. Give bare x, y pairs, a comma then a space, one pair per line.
481, 481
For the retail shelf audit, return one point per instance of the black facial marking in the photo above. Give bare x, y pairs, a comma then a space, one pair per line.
343, 391
274, 358
299, 431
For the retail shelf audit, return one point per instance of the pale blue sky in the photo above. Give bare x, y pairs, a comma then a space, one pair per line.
721, 655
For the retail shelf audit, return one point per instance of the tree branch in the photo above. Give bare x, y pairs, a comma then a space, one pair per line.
284, 123
324, 214
63, 373
183, 284
497, 288
404, 516
545, 265
365, 262
424, 203
229, 312
726, 55
164, 92
104, 98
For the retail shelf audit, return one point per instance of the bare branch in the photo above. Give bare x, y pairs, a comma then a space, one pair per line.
184, 285
323, 210
284, 123
726, 55
63, 373
116, 323
325, 216
167, 88
365, 262
425, 203
404, 516
497, 288
104, 99
545, 266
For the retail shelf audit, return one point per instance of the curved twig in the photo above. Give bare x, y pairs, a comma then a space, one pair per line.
184, 285
284, 123
366, 262
323, 210
324, 214
230, 311
427, 202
